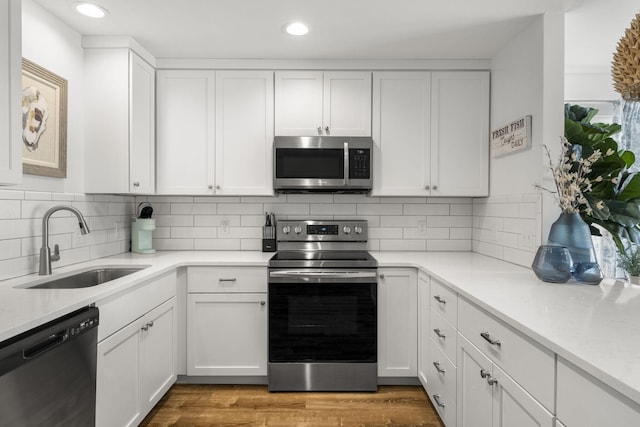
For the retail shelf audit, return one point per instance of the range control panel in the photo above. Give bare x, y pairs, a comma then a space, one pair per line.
326, 230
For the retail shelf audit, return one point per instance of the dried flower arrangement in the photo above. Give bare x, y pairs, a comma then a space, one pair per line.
625, 68
571, 176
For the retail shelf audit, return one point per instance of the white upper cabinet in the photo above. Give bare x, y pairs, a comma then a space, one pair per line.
186, 132
401, 133
119, 122
460, 133
215, 132
431, 133
315, 103
10, 92
244, 133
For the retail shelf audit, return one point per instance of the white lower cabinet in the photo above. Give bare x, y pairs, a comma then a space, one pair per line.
227, 321
424, 337
487, 396
397, 322
227, 334
583, 401
136, 366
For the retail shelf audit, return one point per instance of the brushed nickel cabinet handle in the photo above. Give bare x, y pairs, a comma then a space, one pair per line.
492, 341
436, 397
439, 333
319, 130
438, 368
440, 299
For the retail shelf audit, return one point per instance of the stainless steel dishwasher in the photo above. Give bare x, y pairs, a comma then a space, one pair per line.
48, 374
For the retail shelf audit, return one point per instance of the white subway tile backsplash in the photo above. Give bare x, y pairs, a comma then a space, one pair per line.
217, 220
11, 195
449, 221
240, 208
508, 227
174, 244
426, 209
10, 209
385, 233
11, 248
250, 244
461, 209
174, 221
401, 221
379, 209
194, 232
331, 209
193, 208
284, 209
36, 195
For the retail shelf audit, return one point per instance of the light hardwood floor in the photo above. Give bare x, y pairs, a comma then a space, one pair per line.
243, 405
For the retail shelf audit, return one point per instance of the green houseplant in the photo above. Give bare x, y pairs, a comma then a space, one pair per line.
613, 195
629, 261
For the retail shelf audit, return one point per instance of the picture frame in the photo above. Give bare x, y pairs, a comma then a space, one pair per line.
44, 121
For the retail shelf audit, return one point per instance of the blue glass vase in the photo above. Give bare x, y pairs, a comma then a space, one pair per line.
573, 233
552, 264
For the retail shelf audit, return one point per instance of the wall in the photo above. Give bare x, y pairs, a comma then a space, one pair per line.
526, 74
235, 223
56, 47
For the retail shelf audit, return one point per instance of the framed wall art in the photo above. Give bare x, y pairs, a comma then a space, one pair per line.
44, 121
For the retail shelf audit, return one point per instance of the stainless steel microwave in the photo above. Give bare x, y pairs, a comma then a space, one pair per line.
322, 164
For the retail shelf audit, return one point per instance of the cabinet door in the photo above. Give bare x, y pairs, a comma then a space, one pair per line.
347, 103
513, 406
475, 395
107, 115
158, 353
397, 323
185, 132
460, 133
424, 337
298, 103
226, 334
244, 133
401, 133
10, 92
117, 379
142, 106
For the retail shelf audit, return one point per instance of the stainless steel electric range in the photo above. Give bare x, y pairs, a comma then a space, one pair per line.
322, 308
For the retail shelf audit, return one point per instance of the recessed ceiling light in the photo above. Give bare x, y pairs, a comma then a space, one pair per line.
296, 29
91, 10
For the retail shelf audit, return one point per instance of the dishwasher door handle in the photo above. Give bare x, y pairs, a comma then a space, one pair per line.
45, 345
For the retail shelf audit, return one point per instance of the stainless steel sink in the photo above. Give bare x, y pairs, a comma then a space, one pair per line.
87, 278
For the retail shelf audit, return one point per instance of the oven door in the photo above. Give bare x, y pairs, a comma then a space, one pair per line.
325, 316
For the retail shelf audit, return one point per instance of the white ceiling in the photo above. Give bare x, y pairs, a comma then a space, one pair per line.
340, 29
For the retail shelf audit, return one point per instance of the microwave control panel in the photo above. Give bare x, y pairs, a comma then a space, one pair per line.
359, 163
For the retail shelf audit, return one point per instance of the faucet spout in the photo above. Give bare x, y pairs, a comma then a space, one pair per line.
45, 252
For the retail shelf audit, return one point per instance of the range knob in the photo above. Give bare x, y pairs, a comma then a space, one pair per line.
346, 229
357, 229
297, 229
286, 229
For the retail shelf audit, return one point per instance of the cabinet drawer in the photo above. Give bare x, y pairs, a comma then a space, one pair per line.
226, 279
585, 401
528, 363
444, 301
443, 334
445, 406
117, 312
441, 373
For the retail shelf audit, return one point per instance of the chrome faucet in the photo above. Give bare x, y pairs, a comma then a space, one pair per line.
45, 253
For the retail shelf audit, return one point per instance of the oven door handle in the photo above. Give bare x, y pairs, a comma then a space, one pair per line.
326, 274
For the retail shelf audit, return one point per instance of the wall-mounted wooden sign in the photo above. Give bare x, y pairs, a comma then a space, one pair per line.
512, 137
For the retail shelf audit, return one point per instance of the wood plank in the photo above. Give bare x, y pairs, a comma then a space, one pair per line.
198, 405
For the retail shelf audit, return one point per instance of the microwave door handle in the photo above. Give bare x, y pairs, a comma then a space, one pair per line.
345, 181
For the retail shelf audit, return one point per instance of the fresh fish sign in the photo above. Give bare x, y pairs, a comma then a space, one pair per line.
512, 137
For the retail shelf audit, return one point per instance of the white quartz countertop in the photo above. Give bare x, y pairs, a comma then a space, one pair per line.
594, 327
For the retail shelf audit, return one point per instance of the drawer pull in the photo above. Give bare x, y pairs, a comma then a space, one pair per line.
439, 333
147, 326
487, 375
232, 279
484, 374
492, 341
436, 397
491, 380
263, 303
440, 299
438, 368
